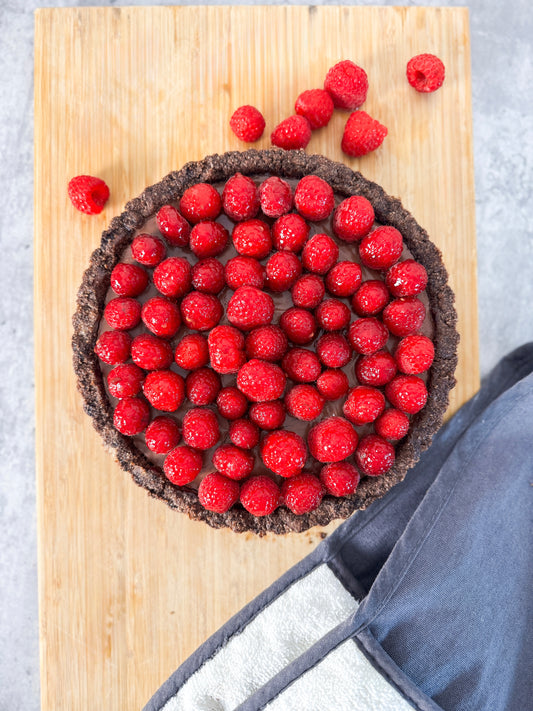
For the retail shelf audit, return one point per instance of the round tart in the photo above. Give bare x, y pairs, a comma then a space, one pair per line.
192, 370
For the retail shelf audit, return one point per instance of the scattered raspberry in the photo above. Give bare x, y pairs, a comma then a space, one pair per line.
226, 349
363, 405
161, 316
301, 365
407, 278
304, 402
202, 386
240, 198
371, 298
260, 495
125, 380
250, 307
147, 250
113, 347
376, 369
208, 239
261, 381
284, 453
347, 84
173, 277
299, 325
374, 455
290, 233
200, 428
425, 72
308, 291
267, 415
162, 434
244, 434
192, 352
164, 389
208, 276
339, 478
231, 403
407, 393
333, 350
302, 494
320, 254
247, 123
267, 343
317, 107
200, 202
414, 354
314, 198
200, 312
275, 196
218, 493
292, 133
244, 271
353, 218
174, 228
332, 440
123, 313
252, 238
282, 271
343, 279
367, 335
150, 352
381, 248
233, 462
362, 134
392, 424
131, 416
88, 194
128, 279
332, 384
404, 316
182, 465
332, 315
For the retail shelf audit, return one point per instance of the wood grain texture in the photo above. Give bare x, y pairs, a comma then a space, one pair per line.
128, 588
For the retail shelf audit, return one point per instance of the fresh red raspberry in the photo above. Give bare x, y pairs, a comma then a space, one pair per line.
301, 365
240, 198
376, 369
371, 298
304, 402
200, 202
244, 434
284, 453
150, 352
407, 393
316, 105
353, 218
362, 134
314, 198
233, 462
333, 350
404, 316
128, 279
247, 123
340, 478
347, 84
292, 133
299, 325
332, 440
275, 196
392, 424
88, 194
320, 254
343, 279
208, 276
425, 72
267, 343
282, 271
249, 308
332, 384
414, 354
267, 415
200, 312
202, 386
381, 248
182, 465
164, 390
161, 316
131, 416
147, 250
261, 381
407, 278
200, 428
290, 233
226, 349
218, 493
374, 455
332, 315
368, 335
260, 495
302, 494
363, 405
162, 434
113, 347
231, 403
123, 313
244, 271
308, 291
208, 239
125, 380
173, 277
252, 238
174, 228
192, 352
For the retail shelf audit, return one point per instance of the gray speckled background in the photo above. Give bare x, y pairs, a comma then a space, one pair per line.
502, 58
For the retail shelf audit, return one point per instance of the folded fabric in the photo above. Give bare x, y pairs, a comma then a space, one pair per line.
422, 601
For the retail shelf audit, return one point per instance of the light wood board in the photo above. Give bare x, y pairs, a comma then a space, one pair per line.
128, 588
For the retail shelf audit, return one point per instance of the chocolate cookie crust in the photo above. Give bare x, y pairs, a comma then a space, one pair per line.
285, 164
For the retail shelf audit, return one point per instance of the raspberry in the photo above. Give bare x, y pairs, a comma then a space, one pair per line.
362, 134
371, 298
240, 198
332, 384
316, 105
301, 365
332, 315
292, 133
407, 393
231, 403
304, 402
381, 248
182, 465
347, 84
131, 416
218, 493
226, 349
425, 72
244, 271
290, 233
376, 369
247, 123
208, 276
252, 238
260, 495
128, 279
333, 350
414, 354
150, 352
208, 239
147, 250
268, 415
339, 478
233, 462
267, 343
173, 277
404, 316
314, 198
113, 347
88, 194
174, 228
275, 196
200, 428
320, 254
123, 313
250, 307
343, 279
261, 381
284, 453
299, 325
282, 270
407, 278
192, 352
363, 405
367, 335
374, 455
202, 386
200, 312
200, 202
308, 291
125, 380
302, 494
244, 434
162, 435
332, 440
164, 390
353, 218
161, 316
392, 424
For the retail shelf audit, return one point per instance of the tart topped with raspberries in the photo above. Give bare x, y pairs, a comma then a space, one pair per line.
266, 340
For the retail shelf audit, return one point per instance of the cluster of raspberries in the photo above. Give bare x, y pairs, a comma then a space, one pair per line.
237, 366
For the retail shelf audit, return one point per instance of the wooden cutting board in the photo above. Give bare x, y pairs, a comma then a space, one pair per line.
128, 588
